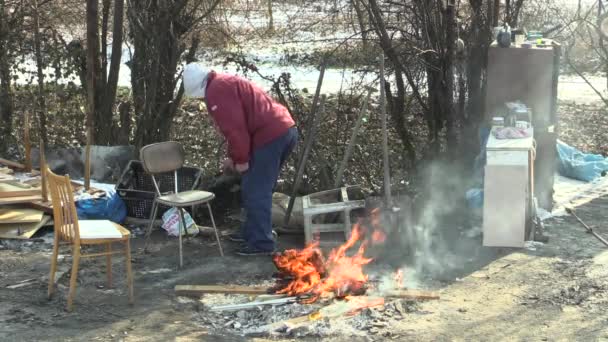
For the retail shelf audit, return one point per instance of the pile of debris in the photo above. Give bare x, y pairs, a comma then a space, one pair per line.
21, 194
278, 315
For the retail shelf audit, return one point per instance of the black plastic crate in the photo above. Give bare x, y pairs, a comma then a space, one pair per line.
137, 190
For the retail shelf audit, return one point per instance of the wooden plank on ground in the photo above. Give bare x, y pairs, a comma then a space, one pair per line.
411, 294
198, 290
20, 215
22, 230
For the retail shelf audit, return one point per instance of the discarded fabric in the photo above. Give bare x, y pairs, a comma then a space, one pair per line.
575, 164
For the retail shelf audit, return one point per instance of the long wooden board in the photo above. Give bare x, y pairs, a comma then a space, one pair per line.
411, 294
20, 199
20, 193
12, 190
20, 215
198, 290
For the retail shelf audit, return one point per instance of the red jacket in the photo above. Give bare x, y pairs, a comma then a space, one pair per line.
246, 116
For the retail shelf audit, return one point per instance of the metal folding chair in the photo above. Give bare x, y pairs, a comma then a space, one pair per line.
169, 157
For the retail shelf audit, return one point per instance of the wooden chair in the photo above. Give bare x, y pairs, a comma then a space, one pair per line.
169, 157
71, 231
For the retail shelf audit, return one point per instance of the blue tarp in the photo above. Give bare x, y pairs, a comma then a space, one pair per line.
110, 207
575, 164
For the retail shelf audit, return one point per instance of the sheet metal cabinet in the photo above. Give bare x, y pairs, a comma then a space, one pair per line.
508, 185
531, 76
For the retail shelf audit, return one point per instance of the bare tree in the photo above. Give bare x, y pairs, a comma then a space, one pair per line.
12, 15
160, 33
101, 90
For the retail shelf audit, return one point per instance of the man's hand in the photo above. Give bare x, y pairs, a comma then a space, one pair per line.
242, 168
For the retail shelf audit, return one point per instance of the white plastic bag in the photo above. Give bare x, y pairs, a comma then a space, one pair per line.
171, 222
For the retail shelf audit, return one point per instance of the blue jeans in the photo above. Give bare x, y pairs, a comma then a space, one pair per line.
257, 186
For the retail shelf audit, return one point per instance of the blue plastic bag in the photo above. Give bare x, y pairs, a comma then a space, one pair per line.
110, 207
575, 164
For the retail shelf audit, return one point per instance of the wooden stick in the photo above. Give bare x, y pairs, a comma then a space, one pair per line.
45, 196
197, 290
87, 161
307, 147
351, 143
12, 164
411, 294
27, 142
387, 173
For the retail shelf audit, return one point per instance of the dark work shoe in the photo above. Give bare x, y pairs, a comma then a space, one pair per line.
249, 251
236, 237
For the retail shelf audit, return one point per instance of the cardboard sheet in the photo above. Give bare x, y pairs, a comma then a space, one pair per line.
20, 215
22, 230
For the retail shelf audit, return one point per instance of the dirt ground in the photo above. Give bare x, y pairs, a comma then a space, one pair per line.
552, 291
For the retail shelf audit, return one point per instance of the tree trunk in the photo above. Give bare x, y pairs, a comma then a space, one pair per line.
360, 20
270, 18
92, 67
476, 64
496, 14
39, 67
111, 86
157, 31
105, 18
448, 76
124, 133
6, 94
398, 104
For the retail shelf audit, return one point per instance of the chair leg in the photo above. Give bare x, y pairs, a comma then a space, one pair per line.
53, 266
182, 224
109, 263
73, 276
129, 272
217, 236
152, 220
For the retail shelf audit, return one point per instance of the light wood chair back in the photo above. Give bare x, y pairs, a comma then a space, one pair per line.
64, 207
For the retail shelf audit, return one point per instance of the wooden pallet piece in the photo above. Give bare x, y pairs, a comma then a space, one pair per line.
198, 290
20, 215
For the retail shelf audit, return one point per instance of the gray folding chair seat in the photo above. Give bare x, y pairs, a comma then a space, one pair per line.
169, 157
186, 198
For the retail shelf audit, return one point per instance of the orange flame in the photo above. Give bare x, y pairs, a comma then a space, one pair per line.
307, 273
302, 266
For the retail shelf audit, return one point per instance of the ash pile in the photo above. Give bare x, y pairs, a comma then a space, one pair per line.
320, 319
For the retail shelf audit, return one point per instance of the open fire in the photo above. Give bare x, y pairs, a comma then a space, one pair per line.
307, 274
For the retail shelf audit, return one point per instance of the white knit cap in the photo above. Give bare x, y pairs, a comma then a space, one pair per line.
195, 80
